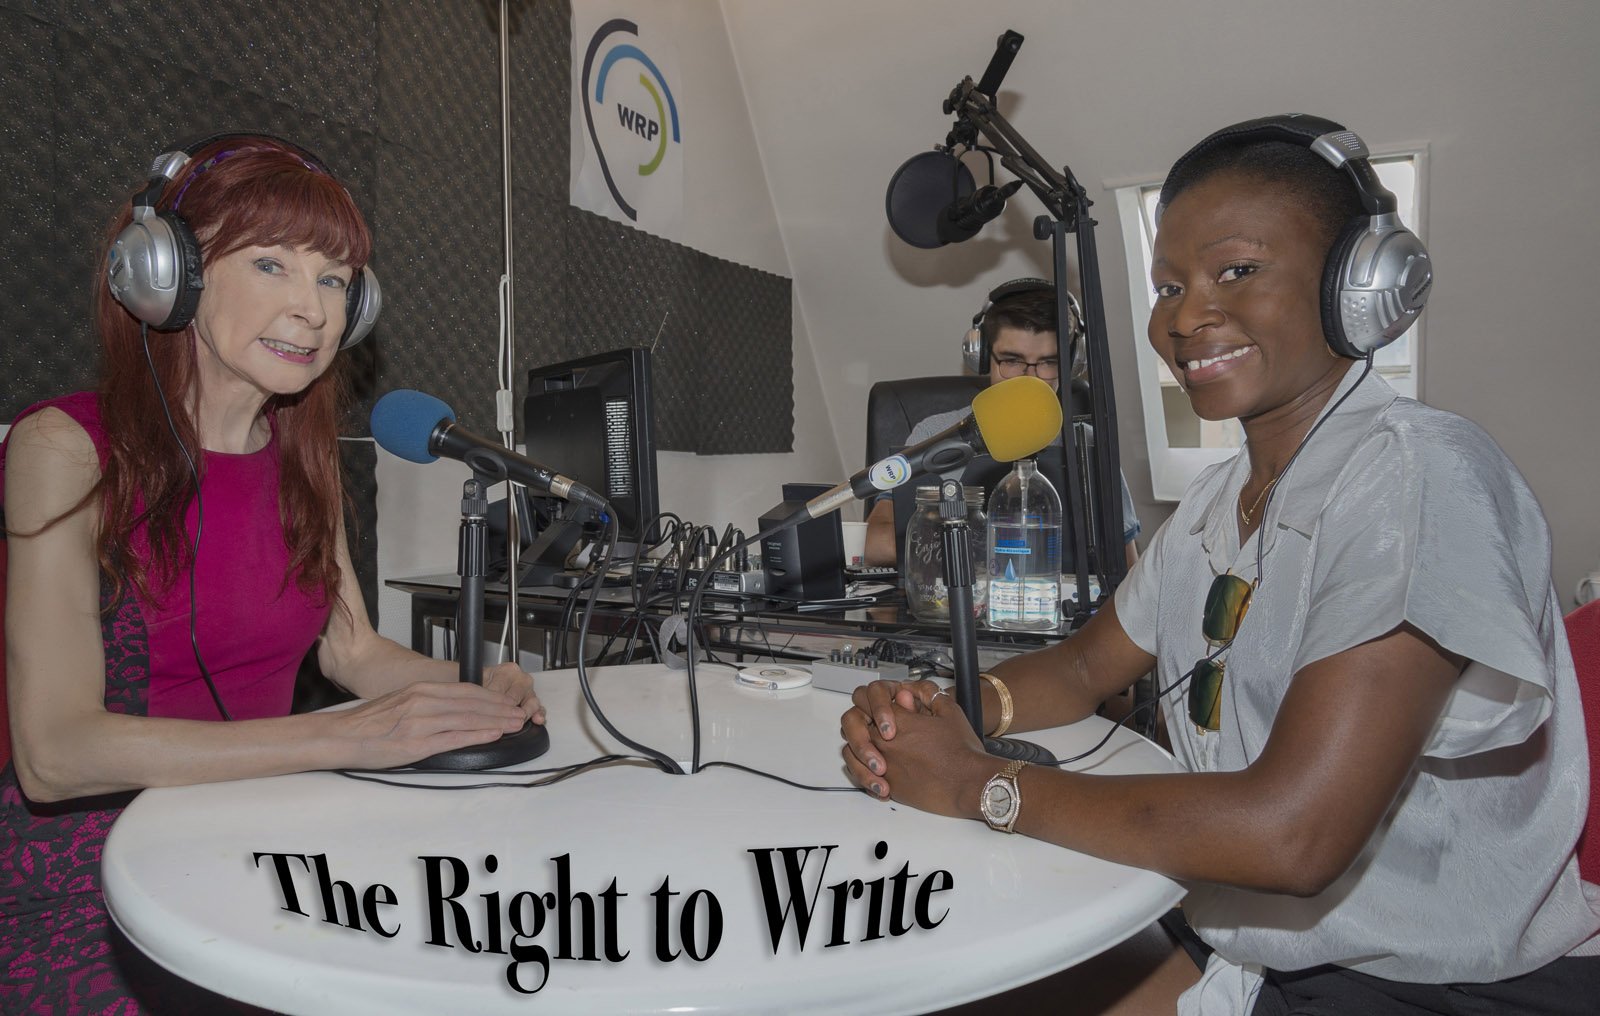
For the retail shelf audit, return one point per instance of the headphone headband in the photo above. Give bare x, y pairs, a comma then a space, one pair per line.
1339, 146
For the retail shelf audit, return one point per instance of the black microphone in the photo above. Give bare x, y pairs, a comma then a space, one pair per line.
962, 218
1011, 420
420, 428
919, 188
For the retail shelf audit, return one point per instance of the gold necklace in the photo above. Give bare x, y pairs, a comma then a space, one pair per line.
1246, 514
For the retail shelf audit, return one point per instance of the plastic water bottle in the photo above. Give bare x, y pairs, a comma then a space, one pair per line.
1025, 551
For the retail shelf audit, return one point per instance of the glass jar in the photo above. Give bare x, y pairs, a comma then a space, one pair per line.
922, 559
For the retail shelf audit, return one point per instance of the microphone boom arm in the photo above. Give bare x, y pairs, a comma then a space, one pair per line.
1068, 206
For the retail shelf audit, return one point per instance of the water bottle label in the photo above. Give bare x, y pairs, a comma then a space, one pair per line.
1033, 600
890, 473
1010, 546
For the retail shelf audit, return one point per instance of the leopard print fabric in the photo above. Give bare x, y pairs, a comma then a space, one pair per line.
55, 951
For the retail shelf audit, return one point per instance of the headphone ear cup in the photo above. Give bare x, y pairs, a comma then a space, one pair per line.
1334, 272
153, 269
362, 302
974, 351
1374, 285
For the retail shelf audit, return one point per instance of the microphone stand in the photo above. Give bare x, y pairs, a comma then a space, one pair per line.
1068, 204
471, 566
958, 581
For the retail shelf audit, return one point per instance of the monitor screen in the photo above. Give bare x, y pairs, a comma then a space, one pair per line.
591, 419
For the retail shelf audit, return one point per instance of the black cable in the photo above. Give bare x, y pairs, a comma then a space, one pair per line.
664, 761
199, 523
693, 613
773, 776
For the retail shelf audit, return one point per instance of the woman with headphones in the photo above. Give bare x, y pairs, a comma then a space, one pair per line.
176, 547
1387, 770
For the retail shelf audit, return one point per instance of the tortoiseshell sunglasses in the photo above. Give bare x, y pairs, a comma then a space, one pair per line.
1226, 605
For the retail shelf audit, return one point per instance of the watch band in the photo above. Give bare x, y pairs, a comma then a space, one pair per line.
1005, 783
1001, 690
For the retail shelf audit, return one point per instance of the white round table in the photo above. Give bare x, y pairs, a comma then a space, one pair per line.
663, 891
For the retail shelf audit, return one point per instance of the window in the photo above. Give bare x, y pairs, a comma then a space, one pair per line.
1180, 443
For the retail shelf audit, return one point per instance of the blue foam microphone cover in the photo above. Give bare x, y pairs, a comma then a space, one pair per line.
403, 420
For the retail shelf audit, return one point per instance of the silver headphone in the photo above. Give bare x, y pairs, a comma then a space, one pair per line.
154, 267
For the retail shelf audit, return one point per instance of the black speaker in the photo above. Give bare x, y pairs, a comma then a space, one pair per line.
804, 562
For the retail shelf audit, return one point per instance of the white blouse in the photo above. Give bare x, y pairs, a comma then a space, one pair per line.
1393, 512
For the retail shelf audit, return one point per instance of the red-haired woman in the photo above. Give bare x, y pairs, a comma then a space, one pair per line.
176, 547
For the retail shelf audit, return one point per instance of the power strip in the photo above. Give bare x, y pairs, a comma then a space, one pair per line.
848, 673
747, 583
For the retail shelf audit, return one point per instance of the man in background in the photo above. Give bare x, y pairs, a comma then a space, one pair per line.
1014, 334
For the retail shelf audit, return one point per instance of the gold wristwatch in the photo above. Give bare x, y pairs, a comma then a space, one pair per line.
1001, 799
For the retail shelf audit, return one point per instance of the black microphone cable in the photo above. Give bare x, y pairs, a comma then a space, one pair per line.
662, 760
693, 614
199, 522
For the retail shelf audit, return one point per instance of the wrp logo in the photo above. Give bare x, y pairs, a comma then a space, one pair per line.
633, 103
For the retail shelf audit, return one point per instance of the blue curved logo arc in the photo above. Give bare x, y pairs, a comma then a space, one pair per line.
625, 51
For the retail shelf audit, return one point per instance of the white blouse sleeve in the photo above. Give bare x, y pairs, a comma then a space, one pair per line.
1432, 525
1139, 594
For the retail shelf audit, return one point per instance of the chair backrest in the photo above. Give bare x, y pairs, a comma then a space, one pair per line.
894, 407
1583, 633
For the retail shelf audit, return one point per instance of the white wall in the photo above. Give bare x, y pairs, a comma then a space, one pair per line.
728, 213
1504, 95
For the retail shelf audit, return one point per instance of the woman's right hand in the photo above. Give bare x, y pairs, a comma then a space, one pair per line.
420, 720
874, 707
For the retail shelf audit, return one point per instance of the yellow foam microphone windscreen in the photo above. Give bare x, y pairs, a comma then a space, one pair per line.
1018, 417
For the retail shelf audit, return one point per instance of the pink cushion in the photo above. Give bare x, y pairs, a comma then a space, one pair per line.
1583, 631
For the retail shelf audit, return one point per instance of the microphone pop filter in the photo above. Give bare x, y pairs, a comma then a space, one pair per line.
919, 190
1018, 417
403, 420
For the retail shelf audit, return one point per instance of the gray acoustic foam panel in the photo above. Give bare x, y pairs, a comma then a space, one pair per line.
720, 333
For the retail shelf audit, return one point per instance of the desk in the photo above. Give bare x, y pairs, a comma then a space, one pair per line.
182, 880
764, 628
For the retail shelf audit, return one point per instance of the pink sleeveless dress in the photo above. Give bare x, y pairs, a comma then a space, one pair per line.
254, 626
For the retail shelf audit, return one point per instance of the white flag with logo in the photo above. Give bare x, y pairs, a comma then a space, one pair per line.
627, 138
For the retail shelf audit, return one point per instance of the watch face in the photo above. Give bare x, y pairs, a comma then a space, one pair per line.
998, 801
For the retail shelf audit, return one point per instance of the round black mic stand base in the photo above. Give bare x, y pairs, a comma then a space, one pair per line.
512, 749
1012, 748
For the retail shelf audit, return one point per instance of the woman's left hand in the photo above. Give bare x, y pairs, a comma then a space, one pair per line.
511, 681
933, 759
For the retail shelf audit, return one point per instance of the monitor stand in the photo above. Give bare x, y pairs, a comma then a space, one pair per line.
542, 561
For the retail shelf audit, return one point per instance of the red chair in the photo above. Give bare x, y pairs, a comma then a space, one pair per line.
1583, 632
5, 717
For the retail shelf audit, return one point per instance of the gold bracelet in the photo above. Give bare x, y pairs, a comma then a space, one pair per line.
1005, 704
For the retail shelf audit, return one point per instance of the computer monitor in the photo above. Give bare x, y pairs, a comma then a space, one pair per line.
591, 419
